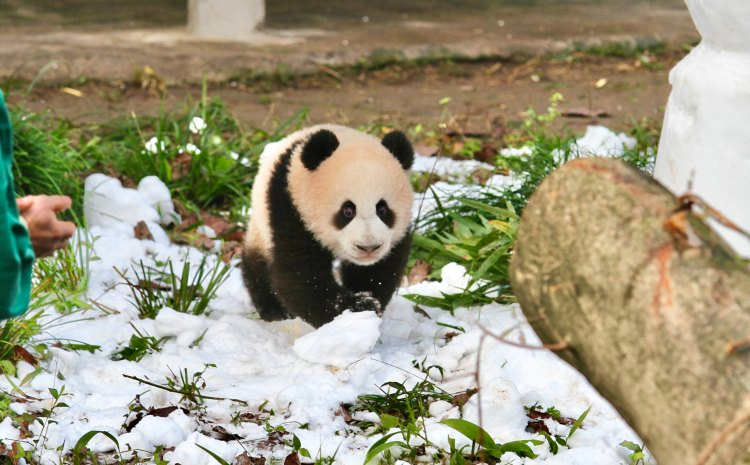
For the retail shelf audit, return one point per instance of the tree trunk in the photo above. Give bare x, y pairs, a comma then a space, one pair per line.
653, 307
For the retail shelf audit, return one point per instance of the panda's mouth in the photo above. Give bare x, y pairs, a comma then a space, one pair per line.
367, 254
366, 258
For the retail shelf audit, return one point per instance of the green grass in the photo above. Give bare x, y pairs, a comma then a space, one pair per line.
46, 160
622, 49
209, 169
478, 231
188, 291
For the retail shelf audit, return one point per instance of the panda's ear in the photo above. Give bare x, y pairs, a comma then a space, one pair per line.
397, 143
318, 147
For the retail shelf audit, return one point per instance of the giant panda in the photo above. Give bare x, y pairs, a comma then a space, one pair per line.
323, 194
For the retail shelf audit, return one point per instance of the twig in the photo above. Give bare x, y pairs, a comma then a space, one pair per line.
689, 199
477, 380
738, 346
556, 347
177, 391
723, 436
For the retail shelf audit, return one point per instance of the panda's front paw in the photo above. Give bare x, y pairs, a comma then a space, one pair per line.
365, 302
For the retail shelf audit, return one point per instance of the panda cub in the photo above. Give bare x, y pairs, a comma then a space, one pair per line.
325, 193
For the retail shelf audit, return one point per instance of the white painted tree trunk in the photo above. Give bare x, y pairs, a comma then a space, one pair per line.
705, 143
225, 19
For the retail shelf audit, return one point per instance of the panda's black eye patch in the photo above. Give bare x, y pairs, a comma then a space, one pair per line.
385, 213
345, 215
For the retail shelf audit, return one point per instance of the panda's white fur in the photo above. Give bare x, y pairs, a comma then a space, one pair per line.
360, 170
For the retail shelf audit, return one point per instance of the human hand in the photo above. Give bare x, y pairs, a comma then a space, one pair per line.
47, 232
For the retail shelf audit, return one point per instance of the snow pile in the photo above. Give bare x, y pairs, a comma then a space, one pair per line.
704, 142
445, 167
453, 280
332, 343
602, 142
108, 203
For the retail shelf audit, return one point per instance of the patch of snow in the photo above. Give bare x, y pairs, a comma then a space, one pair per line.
189, 451
206, 230
158, 196
601, 141
302, 376
348, 338
8, 432
447, 167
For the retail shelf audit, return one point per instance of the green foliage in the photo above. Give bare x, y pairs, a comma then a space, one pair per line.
45, 161
478, 234
404, 409
45, 418
398, 405
17, 332
80, 452
382, 446
5, 410
68, 272
555, 442
204, 155
297, 447
637, 455
214, 455
577, 424
140, 345
538, 121
623, 49
186, 292
548, 152
481, 438
189, 385
643, 156
397, 402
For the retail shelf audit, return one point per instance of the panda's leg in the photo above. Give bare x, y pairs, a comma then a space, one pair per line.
301, 274
381, 279
256, 273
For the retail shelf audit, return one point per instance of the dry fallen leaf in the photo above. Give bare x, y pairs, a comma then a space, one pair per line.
292, 459
460, 399
245, 459
19, 353
71, 91
142, 232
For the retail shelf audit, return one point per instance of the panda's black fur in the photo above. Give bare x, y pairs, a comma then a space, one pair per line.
299, 281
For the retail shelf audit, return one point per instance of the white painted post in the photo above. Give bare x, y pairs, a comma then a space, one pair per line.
705, 142
225, 19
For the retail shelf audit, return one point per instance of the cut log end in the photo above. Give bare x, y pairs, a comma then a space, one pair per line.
647, 301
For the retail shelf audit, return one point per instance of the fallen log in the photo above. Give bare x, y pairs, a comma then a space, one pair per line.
650, 305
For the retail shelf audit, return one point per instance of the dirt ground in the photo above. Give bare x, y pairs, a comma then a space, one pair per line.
481, 95
516, 47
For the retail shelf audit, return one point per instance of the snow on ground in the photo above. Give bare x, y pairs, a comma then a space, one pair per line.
297, 376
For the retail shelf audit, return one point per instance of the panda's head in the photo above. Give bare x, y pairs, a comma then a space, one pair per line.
352, 191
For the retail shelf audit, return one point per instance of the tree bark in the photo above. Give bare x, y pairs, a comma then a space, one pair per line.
653, 308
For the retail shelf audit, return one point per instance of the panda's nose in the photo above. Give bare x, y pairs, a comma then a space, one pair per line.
368, 248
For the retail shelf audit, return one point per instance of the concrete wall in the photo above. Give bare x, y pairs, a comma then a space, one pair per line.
225, 19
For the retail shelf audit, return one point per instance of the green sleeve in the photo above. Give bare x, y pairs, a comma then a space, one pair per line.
16, 254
